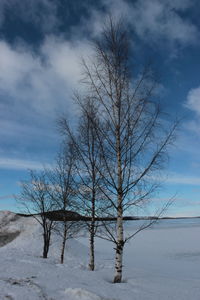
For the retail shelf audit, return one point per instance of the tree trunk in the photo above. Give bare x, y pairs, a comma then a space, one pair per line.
92, 229
119, 248
91, 264
46, 238
63, 244
46, 246
120, 233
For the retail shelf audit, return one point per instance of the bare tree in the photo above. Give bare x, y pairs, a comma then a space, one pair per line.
88, 162
132, 136
89, 178
35, 199
63, 194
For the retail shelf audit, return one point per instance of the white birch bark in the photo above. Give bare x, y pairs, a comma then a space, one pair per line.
91, 263
119, 250
92, 228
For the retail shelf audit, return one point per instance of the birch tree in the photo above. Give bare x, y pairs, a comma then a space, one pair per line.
88, 162
35, 199
133, 138
63, 194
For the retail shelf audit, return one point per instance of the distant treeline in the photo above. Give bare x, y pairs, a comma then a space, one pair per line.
59, 215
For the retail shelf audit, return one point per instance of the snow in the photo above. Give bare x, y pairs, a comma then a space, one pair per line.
81, 294
159, 263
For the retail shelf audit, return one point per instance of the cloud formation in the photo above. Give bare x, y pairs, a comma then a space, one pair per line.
175, 178
19, 164
35, 88
157, 20
193, 100
45, 81
153, 21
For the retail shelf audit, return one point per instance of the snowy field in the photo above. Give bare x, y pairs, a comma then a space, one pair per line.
160, 263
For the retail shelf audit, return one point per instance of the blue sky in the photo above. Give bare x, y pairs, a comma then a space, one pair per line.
41, 44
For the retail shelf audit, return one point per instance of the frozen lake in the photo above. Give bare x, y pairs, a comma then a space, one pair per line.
167, 223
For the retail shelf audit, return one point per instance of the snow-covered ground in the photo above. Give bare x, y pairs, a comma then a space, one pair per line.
160, 263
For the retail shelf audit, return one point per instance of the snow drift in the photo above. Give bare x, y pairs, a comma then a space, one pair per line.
160, 263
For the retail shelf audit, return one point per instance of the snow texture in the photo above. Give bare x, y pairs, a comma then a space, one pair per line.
159, 263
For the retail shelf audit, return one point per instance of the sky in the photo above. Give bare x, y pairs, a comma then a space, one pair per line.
41, 45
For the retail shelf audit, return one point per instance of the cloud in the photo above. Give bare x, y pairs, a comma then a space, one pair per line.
153, 20
193, 100
191, 137
175, 178
19, 164
35, 89
35, 86
44, 82
158, 20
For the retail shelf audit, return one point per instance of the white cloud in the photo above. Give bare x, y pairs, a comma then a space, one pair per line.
193, 100
34, 90
158, 20
152, 20
19, 164
192, 127
64, 57
39, 85
15, 66
175, 178
42, 82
